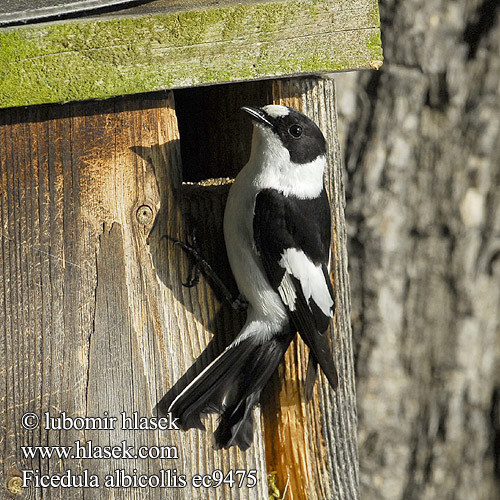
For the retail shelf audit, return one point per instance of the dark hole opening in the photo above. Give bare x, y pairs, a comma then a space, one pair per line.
214, 133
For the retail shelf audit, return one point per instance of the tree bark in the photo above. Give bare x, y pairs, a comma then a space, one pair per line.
421, 140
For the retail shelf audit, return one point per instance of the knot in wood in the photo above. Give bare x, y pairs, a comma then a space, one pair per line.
144, 214
15, 485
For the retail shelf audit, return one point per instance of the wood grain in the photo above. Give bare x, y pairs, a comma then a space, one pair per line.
93, 313
313, 447
93, 318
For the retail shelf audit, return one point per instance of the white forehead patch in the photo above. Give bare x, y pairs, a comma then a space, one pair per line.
275, 110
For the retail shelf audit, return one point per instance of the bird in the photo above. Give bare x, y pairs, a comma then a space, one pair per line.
277, 231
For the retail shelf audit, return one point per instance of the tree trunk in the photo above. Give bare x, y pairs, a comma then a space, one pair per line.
422, 145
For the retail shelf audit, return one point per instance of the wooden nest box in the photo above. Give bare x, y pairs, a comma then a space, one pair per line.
119, 128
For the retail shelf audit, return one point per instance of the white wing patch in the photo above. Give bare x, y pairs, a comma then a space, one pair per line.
311, 278
287, 291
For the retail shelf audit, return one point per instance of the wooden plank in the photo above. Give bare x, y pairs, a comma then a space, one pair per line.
93, 315
109, 56
313, 447
92, 309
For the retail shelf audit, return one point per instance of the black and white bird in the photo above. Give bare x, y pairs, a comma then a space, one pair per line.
277, 231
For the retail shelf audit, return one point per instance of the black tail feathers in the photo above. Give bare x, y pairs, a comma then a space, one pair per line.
231, 386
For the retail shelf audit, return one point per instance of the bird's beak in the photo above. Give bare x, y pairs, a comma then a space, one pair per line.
259, 115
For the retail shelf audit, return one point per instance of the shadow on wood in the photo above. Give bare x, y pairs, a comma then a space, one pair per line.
183, 211
97, 320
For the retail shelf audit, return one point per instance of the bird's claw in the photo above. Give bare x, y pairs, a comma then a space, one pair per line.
193, 281
239, 304
198, 265
194, 266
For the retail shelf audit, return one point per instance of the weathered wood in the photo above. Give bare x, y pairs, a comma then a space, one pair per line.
313, 447
109, 56
93, 318
94, 315
422, 143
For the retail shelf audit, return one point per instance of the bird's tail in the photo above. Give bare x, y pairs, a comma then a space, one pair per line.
231, 386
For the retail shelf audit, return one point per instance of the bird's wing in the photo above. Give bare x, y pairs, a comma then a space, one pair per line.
292, 237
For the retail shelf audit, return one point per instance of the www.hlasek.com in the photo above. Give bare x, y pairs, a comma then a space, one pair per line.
89, 450
118, 478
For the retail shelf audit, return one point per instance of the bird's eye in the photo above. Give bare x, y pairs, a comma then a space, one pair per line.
295, 131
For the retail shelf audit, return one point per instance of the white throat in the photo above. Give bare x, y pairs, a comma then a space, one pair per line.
271, 167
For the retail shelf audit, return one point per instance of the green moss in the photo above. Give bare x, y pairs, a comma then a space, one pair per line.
274, 492
102, 58
374, 45
374, 42
375, 14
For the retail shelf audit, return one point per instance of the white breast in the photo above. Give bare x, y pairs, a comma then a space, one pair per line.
243, 258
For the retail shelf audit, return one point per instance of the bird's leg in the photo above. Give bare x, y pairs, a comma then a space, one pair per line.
194, 265
198, 264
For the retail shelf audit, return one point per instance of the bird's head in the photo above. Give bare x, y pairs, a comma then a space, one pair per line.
280, 127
